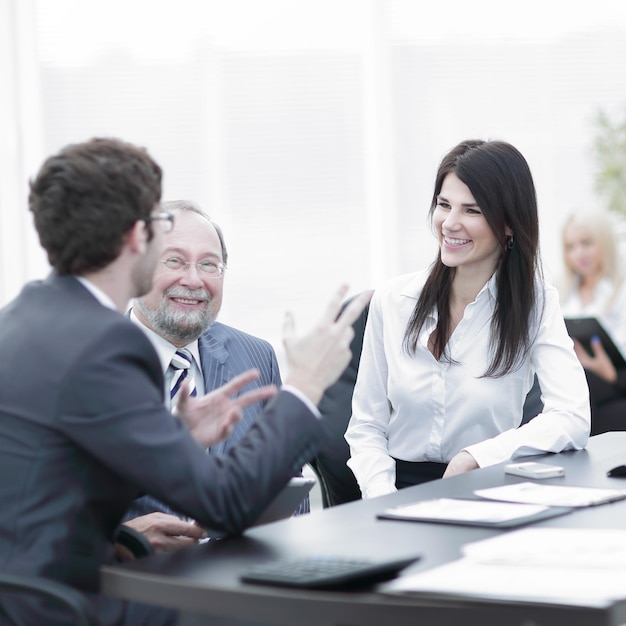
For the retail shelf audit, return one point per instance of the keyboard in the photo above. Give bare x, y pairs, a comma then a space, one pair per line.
325, 572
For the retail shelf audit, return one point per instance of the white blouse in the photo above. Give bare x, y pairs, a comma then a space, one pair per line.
415, 408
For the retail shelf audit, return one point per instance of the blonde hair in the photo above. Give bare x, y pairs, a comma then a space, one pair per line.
601, 227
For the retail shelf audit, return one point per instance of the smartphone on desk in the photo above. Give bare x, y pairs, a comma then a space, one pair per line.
534, 470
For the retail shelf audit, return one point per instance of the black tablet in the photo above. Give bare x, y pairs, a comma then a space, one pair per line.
584, 328
282, 506
287, 501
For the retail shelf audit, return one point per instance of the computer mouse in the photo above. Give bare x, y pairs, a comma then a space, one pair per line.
618, 472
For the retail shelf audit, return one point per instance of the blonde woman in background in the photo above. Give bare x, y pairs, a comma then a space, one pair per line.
594, 286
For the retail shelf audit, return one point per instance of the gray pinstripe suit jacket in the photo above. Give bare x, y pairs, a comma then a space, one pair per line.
226, 352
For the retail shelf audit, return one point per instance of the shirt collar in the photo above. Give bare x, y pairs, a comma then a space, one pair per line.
103, 298
491, 287
415, 285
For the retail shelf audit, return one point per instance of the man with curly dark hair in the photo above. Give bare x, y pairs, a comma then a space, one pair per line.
84, 429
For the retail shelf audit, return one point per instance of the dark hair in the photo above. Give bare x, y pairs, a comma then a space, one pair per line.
87, 197
172, 206
499, 178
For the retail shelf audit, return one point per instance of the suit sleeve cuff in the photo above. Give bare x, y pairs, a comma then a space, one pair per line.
296, 392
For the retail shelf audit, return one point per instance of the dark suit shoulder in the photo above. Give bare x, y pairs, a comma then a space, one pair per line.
65, 323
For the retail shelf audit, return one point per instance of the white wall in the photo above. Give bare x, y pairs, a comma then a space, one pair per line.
310, 129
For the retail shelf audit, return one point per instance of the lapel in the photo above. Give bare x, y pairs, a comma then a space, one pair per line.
214, 361
216, 371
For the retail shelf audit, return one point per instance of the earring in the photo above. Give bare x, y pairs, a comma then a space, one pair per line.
509, 242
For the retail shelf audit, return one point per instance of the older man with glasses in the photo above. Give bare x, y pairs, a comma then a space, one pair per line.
179, 317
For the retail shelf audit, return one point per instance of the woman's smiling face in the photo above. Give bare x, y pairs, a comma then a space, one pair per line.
465, 238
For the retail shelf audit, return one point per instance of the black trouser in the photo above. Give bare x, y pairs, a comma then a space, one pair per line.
409, 473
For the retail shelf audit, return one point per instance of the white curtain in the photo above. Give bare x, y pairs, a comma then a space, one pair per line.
21, 257
309, 129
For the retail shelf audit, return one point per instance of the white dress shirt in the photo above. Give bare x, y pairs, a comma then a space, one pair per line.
166, 351
415, 408
608, 306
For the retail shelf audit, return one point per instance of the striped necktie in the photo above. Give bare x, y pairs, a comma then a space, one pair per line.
181, 364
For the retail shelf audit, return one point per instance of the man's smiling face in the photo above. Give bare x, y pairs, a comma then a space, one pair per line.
183, 303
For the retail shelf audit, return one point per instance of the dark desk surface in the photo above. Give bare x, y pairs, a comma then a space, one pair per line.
205, 578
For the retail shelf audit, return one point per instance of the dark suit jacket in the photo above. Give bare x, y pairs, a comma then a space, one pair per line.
84, 430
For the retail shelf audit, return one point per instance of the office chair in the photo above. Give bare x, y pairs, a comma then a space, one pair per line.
336, 480
533, 405
67, 597
76, 603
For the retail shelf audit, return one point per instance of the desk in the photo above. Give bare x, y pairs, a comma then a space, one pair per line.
205, 578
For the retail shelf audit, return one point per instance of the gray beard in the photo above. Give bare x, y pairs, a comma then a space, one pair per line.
177, 325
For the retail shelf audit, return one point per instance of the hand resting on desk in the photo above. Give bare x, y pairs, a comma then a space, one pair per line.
166, 532
459, 464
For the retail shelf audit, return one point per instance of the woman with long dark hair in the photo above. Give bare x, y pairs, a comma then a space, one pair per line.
450, 354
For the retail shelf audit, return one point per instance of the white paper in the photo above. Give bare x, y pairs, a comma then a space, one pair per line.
466, 578
554, 547
579, 567
450, 509
551, 495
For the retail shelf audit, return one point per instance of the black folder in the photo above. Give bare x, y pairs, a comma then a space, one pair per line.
282, 506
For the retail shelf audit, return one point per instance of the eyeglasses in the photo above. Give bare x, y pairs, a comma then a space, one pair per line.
168, 218
206, 267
